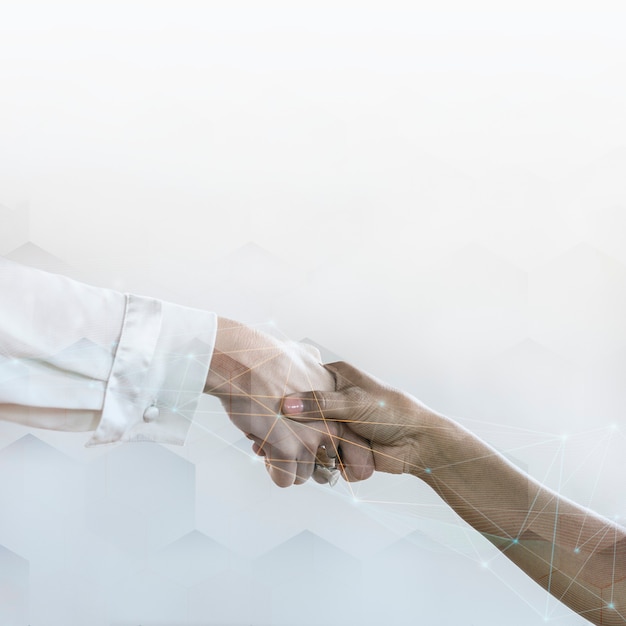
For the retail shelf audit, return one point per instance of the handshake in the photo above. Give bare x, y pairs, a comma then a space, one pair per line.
306, 419
309, 420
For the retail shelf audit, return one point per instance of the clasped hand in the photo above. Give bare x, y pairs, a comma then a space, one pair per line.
250, 373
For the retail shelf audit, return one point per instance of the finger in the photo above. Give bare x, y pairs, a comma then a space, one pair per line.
338, 406
282, 466
356, 456
257, 444
269, 431
282, 473
347, 375
312, 350
306, 467
299, 464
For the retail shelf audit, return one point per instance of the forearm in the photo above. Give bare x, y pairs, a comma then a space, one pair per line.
238, 350
578, 556
78, 357
575, 554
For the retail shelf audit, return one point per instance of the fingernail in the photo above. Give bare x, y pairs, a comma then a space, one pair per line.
293, 405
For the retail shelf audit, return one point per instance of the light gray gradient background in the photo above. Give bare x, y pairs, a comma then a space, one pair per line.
435, 195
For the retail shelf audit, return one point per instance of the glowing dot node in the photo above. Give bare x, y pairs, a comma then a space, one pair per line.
381, 403
428, 470
576, 550
611, 605
516, 540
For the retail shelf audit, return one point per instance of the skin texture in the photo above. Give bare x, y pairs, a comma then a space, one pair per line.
250, 372
576, 555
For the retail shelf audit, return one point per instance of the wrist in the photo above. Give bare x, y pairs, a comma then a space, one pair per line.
433, 447
277, 367
238, 349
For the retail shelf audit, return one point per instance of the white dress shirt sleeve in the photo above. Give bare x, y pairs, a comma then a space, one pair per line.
75, 357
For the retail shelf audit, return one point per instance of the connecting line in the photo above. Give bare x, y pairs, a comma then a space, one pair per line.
509, 427
590, 451
613, 572
532, 504
583, 613
256, 399
521, 544
605, 529
327, 428
517, 592
595, 486
530, 513
575, 577
184, 378
556, 519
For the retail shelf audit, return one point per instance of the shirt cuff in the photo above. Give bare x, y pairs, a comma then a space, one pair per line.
158, 372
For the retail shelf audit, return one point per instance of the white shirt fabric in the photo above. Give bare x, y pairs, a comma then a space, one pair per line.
77, 357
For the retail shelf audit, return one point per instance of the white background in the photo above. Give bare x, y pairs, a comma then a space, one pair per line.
433, 192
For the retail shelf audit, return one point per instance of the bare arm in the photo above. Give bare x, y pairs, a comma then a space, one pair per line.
575, 554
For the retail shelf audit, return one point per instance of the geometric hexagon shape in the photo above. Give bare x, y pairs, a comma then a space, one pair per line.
14, 227
316, 508
14, 591
606, 392
308, 550
191, 559
530, 386
147, 597
597, 193
67, 598
577, 304
533, 241
123, 526
246, 282
234, 475
141, 497
306, 566
42, 489
474, 302
210, 431
232, 483
407, 580
605, 229
232, 597
147, 476
601, 182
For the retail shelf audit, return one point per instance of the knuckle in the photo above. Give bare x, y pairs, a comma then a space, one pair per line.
315, 405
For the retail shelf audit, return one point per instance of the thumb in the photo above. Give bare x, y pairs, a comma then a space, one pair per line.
334, 406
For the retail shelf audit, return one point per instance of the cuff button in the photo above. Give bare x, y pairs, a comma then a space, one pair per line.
151, 413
